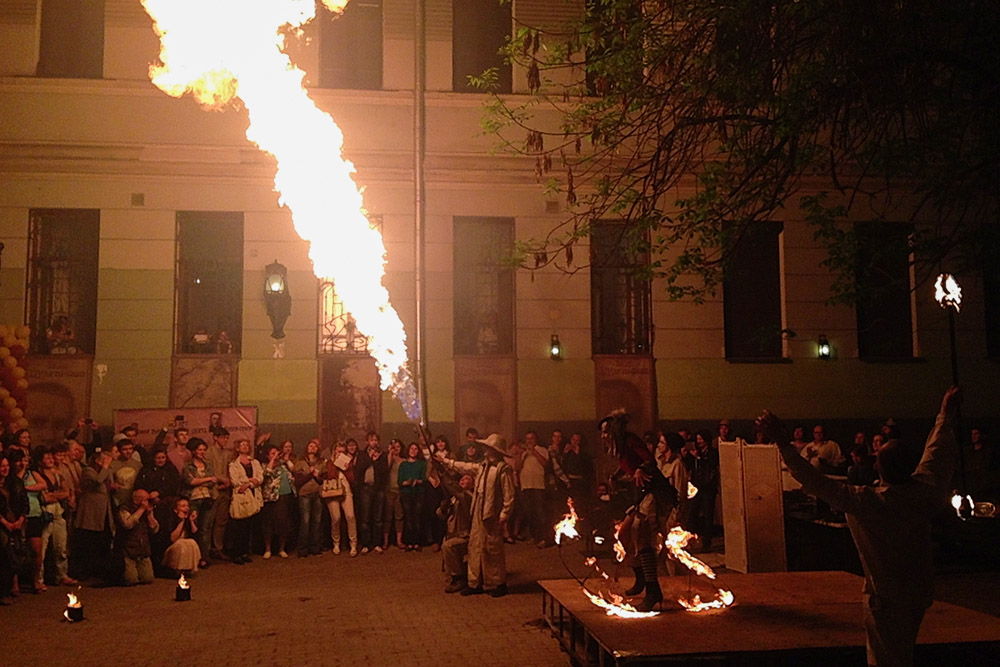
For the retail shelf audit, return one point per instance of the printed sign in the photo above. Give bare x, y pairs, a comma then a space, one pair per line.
241, 422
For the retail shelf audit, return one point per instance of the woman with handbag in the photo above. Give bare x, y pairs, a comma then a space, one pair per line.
13, 515
247, 476
37, 518
339, 499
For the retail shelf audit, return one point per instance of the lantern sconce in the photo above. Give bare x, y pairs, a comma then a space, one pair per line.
277, 297
555, 348
823, 347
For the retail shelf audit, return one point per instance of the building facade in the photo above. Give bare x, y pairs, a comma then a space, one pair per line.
143, 225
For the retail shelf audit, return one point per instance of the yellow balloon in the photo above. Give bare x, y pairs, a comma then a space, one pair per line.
22, 423
19, 372
22, 383
3, 394
9, 340
16, 413
9, 403
4, 331
10, 362
22, 331
4, 352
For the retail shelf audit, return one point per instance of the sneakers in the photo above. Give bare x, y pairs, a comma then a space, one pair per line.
336, 549
364, 550
478, 590
378, 550
354, 552
283, 553
267, 554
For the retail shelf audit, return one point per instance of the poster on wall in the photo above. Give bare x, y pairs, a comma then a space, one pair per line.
241, 422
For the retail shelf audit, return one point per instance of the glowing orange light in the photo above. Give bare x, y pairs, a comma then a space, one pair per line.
619, 548
567, 527
675, 543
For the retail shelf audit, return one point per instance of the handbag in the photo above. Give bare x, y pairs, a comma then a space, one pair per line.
245, 505
333, 489
47, 517
19, 552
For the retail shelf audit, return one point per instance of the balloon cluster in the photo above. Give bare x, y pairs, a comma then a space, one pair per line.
13, 380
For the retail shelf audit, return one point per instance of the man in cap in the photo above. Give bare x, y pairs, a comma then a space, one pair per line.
492, 502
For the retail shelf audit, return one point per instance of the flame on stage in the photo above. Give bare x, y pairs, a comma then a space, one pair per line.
226, 52
676, 542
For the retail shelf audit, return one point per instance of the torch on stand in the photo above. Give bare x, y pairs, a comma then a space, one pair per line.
948, 295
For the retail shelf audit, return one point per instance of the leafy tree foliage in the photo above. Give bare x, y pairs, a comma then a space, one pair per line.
692, 120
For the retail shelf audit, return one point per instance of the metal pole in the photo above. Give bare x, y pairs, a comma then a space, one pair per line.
958, 411
419, 198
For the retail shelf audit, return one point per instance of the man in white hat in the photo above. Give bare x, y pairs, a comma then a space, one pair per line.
492, 502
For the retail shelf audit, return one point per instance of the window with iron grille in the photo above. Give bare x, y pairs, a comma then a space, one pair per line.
483, 286
338, 332
209, 282
61, 308
751, 294
71, 39
480, 28
350, 46
620, 299
885, 323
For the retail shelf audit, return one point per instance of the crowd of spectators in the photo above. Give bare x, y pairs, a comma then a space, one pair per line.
127, 513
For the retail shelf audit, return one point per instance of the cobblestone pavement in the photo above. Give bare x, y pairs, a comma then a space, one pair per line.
387, 609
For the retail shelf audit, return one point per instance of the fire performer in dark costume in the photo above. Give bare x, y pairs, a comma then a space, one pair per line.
654, 497
891, 526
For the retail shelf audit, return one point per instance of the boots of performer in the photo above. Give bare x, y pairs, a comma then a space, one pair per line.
640, 582
654, 596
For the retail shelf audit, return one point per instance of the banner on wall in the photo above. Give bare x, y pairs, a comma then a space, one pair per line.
241, 422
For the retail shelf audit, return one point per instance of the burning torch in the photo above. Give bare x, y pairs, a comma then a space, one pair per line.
948, 295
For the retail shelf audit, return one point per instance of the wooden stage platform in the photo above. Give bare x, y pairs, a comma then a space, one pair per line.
787, 618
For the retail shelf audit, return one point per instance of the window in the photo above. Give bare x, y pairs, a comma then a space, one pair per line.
62, 280
480, 28
350, 46
209, 282
338, 332
620, 299
885, 325
71, 42
751, 294
483, 286
615, 33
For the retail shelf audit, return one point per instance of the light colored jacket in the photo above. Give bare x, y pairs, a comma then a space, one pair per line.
93, 508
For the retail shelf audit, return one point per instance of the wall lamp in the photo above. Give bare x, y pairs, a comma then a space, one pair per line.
555, 348
823, 347
277, 297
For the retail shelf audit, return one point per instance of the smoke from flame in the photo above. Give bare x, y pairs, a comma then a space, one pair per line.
221, 51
